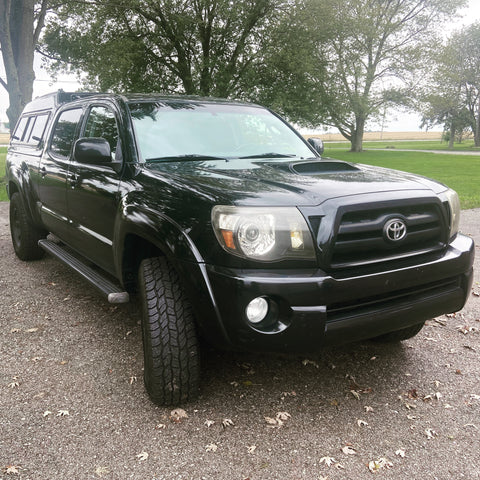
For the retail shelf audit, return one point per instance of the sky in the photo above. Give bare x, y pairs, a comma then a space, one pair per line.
395, 122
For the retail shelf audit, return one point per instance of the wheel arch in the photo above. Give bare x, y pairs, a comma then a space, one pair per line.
147, 234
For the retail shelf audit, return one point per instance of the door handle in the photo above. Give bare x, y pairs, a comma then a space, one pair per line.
72, 179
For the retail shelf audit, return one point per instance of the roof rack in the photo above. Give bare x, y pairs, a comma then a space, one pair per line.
54, 99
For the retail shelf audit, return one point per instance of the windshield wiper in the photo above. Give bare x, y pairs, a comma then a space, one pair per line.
271, 155
181, 158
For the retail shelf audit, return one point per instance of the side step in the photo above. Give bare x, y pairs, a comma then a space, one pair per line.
113, 292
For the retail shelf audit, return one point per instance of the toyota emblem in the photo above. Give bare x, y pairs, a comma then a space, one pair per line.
395, 230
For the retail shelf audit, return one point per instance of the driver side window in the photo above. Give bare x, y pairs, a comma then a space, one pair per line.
101, 123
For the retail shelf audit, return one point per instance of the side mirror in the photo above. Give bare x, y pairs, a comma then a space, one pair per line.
92, 150
317, 144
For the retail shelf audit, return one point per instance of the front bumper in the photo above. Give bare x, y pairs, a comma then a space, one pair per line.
311, 309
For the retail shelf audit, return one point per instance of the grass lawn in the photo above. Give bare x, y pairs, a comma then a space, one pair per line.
466, 145
460, 172
3, 191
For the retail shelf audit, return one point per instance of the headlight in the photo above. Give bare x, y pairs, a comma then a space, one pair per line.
454, 204
260, 233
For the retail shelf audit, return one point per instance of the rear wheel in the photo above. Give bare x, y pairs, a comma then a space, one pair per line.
399, 335
170, 345
25, 235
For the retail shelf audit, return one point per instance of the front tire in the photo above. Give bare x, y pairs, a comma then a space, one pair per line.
400, 335
170, 345
25, 235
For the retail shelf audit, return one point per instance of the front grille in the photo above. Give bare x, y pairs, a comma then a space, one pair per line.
361, 238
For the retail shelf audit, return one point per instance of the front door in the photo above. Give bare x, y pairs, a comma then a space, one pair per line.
92, 193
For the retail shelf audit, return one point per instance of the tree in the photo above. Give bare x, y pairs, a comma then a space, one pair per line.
373, 55
455, 83
204, 47
21, 22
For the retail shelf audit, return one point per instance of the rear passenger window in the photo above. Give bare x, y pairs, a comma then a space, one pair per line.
38, 129
64, 132
30, 129
20, 130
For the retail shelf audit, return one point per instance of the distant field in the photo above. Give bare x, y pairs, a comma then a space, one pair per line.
466, 145
382, 136
3, 191
460, 172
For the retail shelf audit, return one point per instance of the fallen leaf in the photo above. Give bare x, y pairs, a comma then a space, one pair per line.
101, 471
310, 362
62, 413
471, 425
31, 330
251, 448
368, 409
12, 469
211, 447
13, 384
349, 450
355, 394
362, 423
133, 379
271, 421
375, 465
160, 426
283, 416
430, 433
328, 461
142, 456
209, 423
465, 329
46, 413
227, 422
178, 414
14, 330
400, 453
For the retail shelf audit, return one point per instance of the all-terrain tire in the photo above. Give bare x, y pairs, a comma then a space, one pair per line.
170, 344
25, 235
399, 335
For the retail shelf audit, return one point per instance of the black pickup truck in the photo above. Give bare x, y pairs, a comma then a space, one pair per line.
229, 225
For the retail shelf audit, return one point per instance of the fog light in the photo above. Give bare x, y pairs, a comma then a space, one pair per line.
257, 310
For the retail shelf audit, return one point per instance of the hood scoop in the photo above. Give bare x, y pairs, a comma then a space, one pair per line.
319, 167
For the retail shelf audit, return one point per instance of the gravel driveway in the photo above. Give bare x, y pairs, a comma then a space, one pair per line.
73, 404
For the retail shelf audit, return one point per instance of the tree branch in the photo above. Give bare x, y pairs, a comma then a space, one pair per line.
4, 84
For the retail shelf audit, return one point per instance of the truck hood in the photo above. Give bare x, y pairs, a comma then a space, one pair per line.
286, 182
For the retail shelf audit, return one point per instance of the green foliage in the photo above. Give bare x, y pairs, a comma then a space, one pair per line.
452, 96
376, 45
460, 172
197, 47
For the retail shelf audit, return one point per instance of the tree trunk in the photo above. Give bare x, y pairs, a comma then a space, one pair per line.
451, 138
357, 134
476, 132
18, 45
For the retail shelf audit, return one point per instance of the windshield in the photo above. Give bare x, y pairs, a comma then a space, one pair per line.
180, 130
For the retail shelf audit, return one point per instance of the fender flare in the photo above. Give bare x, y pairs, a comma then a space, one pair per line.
168, 236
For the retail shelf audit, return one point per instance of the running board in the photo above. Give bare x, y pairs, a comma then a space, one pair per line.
113, 292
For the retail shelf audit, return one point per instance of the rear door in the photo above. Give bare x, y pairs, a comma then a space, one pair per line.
92, 191
53, 172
